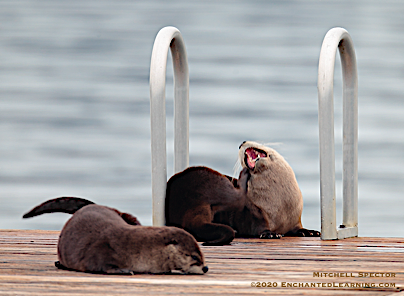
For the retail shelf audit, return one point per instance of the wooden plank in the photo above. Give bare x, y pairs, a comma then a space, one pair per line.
27, 268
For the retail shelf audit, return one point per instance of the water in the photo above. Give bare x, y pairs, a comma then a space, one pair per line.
74, 99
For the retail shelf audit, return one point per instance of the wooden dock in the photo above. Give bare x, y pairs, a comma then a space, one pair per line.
292, 266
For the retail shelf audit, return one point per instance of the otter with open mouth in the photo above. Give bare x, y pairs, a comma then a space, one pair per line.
272, 203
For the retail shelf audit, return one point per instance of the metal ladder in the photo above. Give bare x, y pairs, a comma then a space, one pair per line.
338, 38
170, 37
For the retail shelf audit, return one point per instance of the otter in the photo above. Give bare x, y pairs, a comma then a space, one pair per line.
272, 207
195, 195
99, 239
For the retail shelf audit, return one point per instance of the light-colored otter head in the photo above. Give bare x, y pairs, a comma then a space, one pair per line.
272, 186
258, 157
184, 253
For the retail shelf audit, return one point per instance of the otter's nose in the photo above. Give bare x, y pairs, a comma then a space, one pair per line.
205, 269
241, 144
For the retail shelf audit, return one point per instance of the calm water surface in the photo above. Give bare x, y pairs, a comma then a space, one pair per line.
74, 99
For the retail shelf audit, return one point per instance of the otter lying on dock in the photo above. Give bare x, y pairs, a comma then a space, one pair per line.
100, 239
265, 202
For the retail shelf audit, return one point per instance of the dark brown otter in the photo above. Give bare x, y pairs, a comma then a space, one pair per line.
100, 239
195, 195
272, 207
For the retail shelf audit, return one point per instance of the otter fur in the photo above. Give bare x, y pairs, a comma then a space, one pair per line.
195, 195
100, 239
272, 207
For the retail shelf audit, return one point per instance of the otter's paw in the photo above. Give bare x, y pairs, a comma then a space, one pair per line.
303, 232
60, 265
119, 271
270, 235
313, 233
243, 179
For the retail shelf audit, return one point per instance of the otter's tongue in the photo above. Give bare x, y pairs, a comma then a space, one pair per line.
251, 156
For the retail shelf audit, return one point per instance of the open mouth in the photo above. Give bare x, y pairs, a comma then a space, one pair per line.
251, 155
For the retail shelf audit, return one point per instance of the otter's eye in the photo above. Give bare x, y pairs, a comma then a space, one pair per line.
194, 258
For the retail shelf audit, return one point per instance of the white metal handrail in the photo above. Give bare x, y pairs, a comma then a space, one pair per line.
168, 37
338, 38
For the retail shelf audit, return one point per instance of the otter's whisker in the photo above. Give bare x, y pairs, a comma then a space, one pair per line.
270, 144
236, 169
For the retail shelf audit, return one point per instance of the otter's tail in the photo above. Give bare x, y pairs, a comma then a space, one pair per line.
68, 205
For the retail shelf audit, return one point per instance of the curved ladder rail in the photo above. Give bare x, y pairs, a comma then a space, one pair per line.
338, 38
168, 37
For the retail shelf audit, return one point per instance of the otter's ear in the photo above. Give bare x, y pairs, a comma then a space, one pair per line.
172, 242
